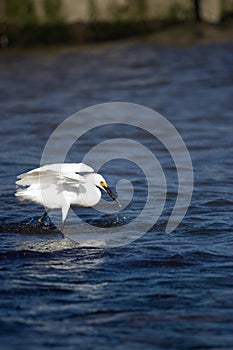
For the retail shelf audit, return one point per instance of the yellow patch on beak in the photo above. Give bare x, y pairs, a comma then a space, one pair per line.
103, 184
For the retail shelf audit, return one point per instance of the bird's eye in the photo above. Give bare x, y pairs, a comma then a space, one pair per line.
102, 183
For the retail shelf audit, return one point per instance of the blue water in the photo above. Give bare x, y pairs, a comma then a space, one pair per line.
163, 291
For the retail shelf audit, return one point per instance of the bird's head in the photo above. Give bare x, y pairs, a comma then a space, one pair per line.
102, 184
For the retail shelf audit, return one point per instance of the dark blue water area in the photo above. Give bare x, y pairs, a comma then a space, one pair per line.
162, 291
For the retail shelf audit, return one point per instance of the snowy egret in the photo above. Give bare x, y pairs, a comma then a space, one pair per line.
58, 186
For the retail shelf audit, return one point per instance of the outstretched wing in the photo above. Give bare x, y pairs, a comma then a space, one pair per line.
65, 168
55, 174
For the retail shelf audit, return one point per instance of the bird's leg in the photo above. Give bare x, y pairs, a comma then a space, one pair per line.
41, 219
64, 211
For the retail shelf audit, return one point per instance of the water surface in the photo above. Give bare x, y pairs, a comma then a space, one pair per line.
163, 291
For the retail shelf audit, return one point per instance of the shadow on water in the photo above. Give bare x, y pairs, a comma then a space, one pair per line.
30, 226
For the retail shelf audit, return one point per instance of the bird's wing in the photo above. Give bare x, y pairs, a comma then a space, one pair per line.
49, 177
56, 174
65, 168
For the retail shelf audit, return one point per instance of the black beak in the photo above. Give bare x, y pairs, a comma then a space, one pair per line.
110, 193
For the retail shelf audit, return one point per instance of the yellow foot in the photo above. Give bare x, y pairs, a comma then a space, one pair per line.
41, 219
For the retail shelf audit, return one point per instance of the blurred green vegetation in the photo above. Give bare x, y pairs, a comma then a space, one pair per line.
20, 12
24, 12
32, 22
53, 11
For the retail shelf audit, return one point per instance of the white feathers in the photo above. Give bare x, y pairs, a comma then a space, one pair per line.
61, 185
58, 172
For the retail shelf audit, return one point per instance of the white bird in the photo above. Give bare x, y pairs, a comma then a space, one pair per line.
58, 186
